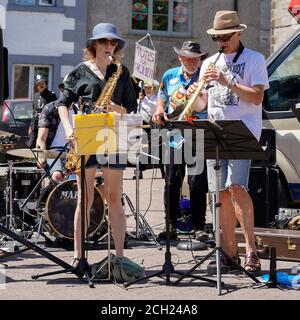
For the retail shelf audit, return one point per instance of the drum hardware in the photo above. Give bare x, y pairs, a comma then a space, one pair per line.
4, 134
29, 245
59, 203
36, 153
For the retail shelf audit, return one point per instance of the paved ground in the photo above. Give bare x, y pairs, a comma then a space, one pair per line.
20, 286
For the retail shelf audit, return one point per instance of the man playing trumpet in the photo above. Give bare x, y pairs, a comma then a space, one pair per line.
236, 91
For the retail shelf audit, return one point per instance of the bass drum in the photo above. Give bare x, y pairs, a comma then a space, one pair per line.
60, 204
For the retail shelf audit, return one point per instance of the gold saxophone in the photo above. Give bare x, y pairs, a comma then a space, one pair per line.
189, 108
103, 104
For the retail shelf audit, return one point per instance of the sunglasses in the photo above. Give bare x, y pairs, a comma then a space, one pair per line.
105, 42
224, 38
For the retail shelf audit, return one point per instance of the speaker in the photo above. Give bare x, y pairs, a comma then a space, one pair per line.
268, 142
263, 189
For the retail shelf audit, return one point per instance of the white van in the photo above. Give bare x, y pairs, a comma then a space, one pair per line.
279, 102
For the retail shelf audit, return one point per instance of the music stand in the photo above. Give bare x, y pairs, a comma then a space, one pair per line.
224, 139
168, 268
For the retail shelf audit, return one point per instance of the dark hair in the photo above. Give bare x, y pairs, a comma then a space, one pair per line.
61, 85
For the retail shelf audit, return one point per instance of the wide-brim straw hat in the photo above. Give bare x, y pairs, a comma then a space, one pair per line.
106, 31
226, 22
191, 49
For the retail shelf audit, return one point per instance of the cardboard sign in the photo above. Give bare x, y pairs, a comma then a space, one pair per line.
294, 9
144, 63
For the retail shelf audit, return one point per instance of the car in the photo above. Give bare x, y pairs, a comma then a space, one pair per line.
15, 116
278, 113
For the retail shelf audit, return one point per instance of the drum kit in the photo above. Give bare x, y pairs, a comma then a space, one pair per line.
50, 210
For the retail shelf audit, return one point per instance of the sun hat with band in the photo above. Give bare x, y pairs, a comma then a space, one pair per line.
226, 22
106, 31
191, 49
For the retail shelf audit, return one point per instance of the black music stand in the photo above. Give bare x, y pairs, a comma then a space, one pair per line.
224, 139
168, 268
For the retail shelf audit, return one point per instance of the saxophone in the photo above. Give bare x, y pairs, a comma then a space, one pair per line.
189, 108
103, 104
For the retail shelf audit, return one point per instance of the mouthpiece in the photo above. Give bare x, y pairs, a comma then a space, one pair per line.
110, 57
221, 50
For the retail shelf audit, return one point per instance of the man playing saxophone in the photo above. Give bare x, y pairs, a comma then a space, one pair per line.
88, 80
172, 94
237, 84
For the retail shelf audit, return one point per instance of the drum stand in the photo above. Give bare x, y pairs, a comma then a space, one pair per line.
10, 220
29, 245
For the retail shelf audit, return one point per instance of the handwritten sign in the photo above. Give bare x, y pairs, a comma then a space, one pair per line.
144, 63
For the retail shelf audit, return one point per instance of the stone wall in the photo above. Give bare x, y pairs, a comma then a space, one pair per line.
283, 24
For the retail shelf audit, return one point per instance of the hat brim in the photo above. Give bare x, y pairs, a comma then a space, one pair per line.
189, 54
240, 28
121, 42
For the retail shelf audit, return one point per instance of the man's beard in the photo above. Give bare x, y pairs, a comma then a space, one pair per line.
189, 71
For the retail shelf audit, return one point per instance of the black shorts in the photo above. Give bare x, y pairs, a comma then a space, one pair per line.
114, 161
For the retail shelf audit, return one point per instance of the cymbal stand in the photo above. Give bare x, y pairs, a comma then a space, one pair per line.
9, 218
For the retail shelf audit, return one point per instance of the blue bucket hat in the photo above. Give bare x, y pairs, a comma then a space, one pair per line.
106, 30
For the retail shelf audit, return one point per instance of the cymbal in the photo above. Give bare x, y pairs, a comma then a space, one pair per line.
8, 134
33, 153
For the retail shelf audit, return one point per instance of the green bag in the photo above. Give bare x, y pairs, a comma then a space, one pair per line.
122, 269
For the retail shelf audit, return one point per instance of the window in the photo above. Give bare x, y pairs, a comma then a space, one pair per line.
26, 2
284, 90
36, 2
24, 77
161, 16
47, 2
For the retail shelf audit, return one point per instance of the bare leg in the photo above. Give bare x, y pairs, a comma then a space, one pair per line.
89, 198
227, 222
244, 212
113, 192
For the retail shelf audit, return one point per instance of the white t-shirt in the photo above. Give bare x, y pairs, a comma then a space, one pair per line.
223, 104
60, 136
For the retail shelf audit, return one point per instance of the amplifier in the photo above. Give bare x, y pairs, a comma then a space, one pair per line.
263, 189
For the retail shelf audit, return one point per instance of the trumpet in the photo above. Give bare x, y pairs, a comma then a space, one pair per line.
188, 110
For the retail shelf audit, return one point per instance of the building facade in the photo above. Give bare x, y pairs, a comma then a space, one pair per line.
44, 39
171, 22
282, 23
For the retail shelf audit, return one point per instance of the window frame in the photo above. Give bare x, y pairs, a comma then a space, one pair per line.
34, 3
31, 86
170, 22
47, 5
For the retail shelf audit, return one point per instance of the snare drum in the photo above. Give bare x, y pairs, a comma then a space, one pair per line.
60, 204
24, 179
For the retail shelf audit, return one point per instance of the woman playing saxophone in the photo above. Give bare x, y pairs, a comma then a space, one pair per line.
89, 80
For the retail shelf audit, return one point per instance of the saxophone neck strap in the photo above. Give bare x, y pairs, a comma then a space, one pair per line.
239, 52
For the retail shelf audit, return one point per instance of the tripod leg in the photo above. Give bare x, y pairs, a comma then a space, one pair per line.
156, 274
188, 274
39, 250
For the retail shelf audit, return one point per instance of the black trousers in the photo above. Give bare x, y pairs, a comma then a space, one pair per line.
34, 132
175, 174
